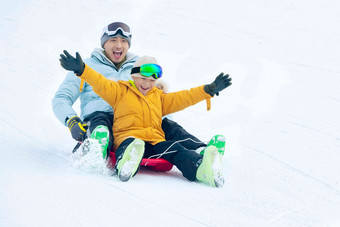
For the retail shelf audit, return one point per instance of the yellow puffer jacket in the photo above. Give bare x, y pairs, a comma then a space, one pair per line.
136, 115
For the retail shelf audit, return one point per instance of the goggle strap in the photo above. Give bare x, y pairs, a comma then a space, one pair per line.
135, 70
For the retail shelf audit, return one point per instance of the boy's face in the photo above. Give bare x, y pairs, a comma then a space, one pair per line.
144, 84
116, 49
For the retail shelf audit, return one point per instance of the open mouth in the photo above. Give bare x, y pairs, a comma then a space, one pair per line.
117, 54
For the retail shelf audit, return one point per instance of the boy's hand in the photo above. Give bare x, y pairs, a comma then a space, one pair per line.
72, 64
221, 82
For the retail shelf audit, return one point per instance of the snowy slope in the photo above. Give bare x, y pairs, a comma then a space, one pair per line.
280, 116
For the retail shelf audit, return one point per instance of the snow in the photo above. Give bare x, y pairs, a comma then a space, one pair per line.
280, 117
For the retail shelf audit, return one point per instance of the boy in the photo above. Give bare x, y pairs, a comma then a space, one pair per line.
138, 109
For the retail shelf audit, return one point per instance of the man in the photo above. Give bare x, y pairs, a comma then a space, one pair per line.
115, 62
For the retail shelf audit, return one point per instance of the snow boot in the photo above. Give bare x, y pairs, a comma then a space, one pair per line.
219, 142
209, 171
128, 164
101, 134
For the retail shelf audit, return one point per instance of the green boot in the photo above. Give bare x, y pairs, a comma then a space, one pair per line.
128, 165
101, 134
209, 171
219, 142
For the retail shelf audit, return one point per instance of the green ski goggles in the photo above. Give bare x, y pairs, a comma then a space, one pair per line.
148, 70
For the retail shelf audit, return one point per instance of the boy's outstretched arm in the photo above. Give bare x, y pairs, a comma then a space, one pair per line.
105, 88
177, 101
221, 82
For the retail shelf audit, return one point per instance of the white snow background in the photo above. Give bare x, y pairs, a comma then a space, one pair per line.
281, 116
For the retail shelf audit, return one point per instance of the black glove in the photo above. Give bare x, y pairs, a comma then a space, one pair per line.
72, 64
77, 128
221, 82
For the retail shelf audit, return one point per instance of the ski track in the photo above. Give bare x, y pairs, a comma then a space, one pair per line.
158, 206
297, 171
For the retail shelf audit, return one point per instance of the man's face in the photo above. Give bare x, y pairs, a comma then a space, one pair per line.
116, 49
144, 84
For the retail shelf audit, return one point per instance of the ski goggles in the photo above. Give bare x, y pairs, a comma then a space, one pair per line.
148, 70
113, 28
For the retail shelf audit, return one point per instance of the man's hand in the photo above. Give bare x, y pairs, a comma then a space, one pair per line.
221, 82
77, 128
72, 64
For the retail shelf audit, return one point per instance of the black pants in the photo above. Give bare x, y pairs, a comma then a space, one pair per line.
185, 159
173, 131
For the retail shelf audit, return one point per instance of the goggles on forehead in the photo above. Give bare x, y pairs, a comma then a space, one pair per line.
148, 70
113, 28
